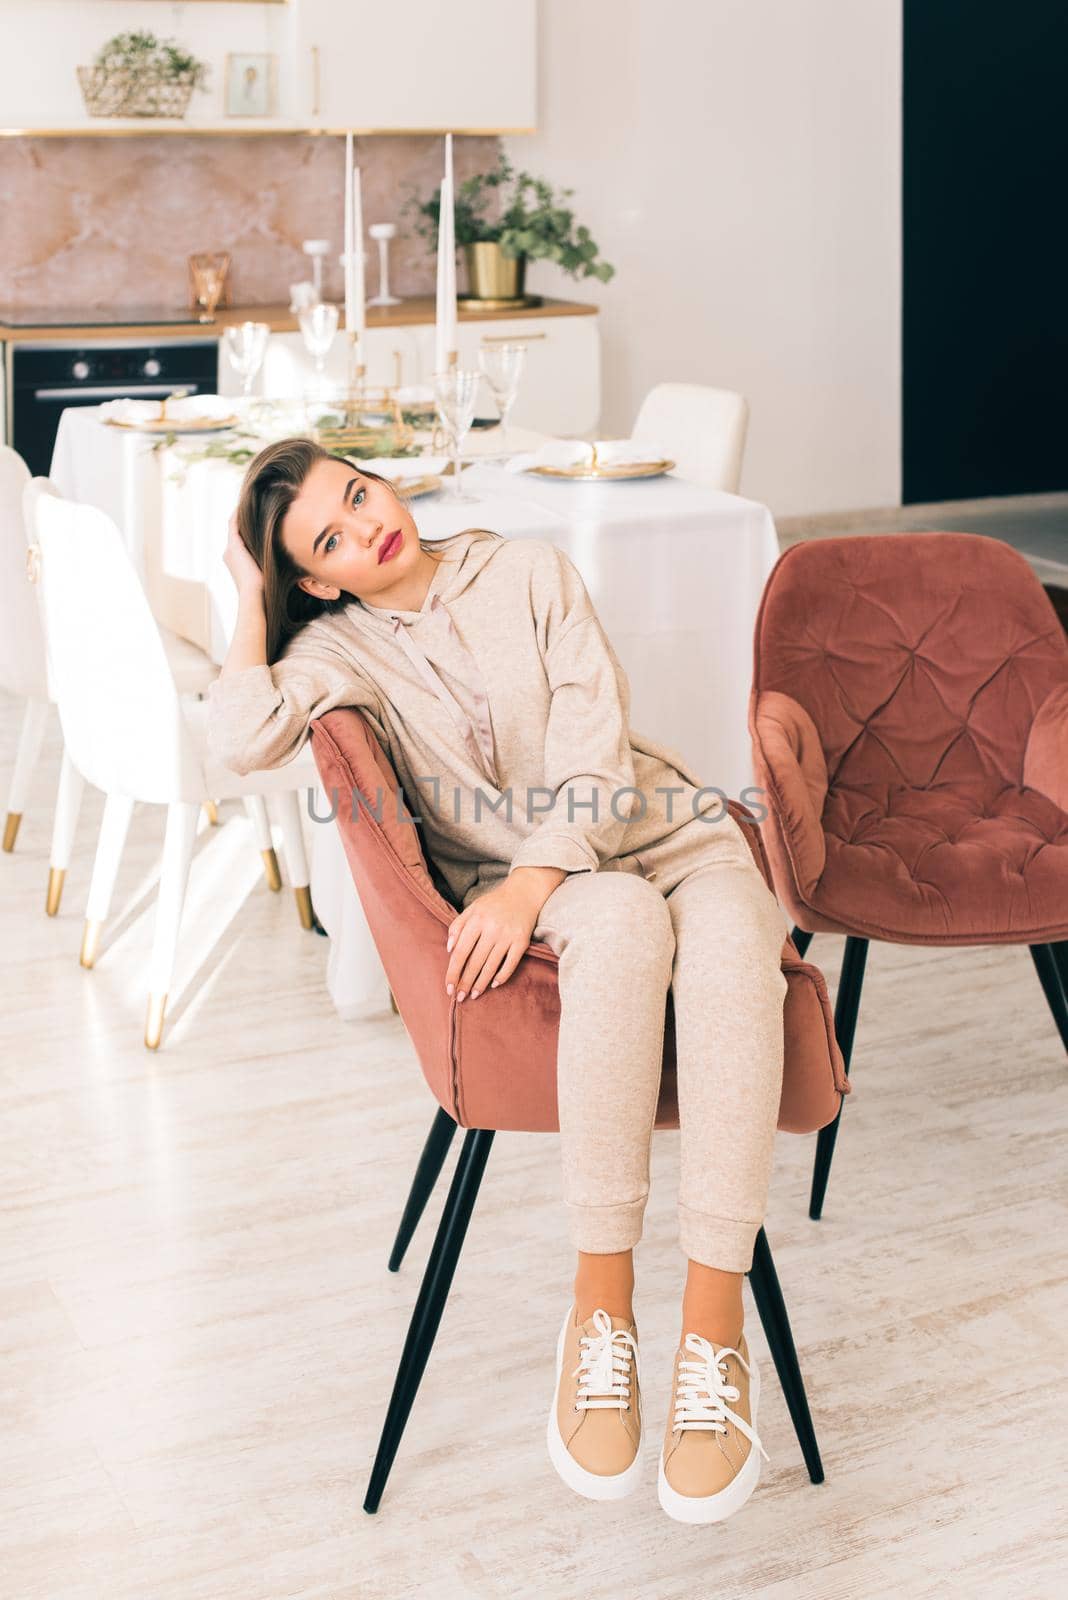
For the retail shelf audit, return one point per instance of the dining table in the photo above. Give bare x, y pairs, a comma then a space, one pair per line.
675, 571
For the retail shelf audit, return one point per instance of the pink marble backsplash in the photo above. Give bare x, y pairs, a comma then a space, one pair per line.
108, 223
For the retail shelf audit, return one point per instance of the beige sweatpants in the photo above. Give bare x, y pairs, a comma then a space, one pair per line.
691, 911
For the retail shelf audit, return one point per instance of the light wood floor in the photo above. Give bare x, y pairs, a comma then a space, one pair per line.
199, 1332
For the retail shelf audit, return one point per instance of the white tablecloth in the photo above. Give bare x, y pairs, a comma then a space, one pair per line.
675, 571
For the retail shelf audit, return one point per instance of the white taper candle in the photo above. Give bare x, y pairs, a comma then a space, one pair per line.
359, 310
347, 247
445, 329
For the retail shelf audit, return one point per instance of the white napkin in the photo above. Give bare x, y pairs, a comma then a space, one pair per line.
404, 467
554, 453
576, 452
628, 452
190, 408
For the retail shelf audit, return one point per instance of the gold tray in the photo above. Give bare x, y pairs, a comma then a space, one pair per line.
582, 472
175, 425
412, 488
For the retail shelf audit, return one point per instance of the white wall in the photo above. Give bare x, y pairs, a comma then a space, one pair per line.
739, 163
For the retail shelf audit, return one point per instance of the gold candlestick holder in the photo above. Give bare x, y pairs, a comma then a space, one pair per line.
355, 369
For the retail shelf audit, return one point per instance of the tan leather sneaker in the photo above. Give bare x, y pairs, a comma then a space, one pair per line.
710, 1462
595, 1424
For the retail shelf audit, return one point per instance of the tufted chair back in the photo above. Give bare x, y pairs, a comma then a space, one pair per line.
909, 714
921, 658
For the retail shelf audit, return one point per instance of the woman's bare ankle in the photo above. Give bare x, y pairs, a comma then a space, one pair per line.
712, 1305
605, 1283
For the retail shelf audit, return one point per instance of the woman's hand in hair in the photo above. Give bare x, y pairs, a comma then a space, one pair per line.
240, 563
490, 938
248, 642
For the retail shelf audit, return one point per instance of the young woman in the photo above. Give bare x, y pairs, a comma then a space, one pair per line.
485, 674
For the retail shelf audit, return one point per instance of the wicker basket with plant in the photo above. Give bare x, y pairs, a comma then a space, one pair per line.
137, 75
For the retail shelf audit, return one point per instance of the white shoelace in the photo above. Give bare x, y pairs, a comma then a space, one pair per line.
702, 1389
604, 1367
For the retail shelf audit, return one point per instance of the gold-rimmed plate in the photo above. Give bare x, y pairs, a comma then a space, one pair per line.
412, 488
176, 424
582, 472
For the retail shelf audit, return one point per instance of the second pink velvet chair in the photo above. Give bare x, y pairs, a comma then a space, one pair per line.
909, 716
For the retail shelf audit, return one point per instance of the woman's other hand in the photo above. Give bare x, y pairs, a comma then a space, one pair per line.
240, 563
489, 939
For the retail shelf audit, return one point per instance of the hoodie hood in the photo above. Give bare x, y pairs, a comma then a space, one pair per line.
463, 556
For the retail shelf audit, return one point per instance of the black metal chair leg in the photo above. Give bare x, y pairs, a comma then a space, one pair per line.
433, 1293
426, 1176
1060, 957
1049, 976
771, 1306
802, 940
846, 1006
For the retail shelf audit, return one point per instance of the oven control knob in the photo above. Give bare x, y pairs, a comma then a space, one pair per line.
151, 368
80, 370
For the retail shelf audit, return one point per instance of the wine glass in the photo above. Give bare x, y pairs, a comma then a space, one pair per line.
502, 368
318, 324
246, 345
455, 393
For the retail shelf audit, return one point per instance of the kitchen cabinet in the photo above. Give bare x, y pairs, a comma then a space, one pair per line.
468, 65
43, 42
465, 65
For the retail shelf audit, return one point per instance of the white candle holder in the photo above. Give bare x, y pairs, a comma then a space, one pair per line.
383, 232
318, 250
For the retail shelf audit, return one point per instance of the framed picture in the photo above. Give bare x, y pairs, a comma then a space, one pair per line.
250, 84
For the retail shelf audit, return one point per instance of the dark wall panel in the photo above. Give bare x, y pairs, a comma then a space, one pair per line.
985, 331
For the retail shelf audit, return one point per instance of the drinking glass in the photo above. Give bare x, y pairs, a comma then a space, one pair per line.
502, 367
318, 324
245, 346
455, 393
207, 270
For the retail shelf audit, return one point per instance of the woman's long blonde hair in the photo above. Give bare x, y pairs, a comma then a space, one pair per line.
272, 482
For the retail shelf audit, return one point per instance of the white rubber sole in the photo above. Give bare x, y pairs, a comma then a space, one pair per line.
593, 1485
716, 1507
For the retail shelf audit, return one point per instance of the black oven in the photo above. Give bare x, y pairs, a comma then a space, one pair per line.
46, 377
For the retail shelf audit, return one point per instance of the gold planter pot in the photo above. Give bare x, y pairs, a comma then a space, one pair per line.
493, 276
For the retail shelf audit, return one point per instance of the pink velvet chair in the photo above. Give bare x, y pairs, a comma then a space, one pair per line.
491, 1064
909, 715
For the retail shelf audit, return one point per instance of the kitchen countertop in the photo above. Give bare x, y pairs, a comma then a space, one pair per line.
417, 310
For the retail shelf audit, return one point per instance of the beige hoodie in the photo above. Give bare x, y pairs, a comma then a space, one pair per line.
501, 705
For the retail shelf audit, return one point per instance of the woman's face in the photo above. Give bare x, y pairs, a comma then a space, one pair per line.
340, 527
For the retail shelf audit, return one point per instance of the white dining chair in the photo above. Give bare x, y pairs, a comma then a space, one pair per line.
24, 670
703, 431
129, 733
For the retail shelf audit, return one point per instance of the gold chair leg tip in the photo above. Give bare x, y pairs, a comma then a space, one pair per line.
304, 908
56, 875
90, 944
270, 869
11, 829
157, 1006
